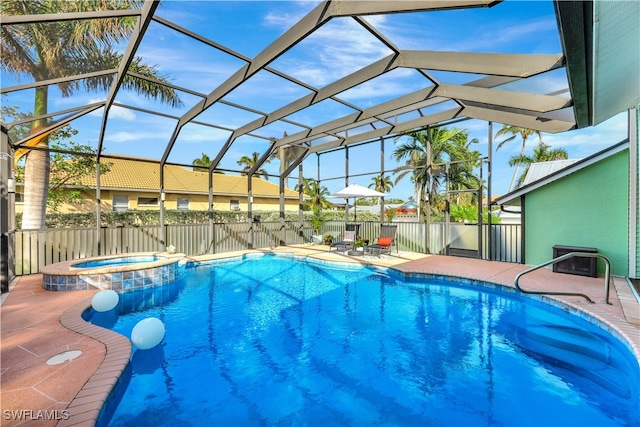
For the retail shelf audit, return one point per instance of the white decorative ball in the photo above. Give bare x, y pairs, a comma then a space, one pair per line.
147, 333
105, 300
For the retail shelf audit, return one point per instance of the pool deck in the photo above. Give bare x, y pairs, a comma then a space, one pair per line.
37, 324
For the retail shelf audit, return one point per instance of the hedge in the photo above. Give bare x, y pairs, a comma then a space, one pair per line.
152, 217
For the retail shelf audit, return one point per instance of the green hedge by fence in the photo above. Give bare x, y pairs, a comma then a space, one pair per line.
151, 217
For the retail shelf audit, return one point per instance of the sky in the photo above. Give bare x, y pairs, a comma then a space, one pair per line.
335, 50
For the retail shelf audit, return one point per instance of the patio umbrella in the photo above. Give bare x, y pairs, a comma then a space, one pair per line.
355, 191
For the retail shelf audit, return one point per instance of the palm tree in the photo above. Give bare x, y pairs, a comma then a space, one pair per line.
204, 161
381, 184
524, 134
541, 153
317, 195
423, 153
249, 162
50, 50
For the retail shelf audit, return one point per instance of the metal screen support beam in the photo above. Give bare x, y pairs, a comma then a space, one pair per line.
301, 197
210, 214
7, 193
427, 223
346, 184
146, 13
250, 209
74, 16
489, 201
447, 218
98, 209
296, 163
382, 178
163, 239
281, 238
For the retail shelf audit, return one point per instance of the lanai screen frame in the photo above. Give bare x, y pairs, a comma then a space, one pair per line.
481, 99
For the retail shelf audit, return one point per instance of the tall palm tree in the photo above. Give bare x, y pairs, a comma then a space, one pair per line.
317, 195
423, 153
249, 162
49, 50
541, 153
524, 134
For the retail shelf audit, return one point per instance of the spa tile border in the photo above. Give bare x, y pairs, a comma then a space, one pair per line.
63, 276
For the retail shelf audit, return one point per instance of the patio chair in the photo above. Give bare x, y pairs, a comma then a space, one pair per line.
385, 241
349, 238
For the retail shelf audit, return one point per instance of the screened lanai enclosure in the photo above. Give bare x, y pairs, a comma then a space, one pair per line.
306, 90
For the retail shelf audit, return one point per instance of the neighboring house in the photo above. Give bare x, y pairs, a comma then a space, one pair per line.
133, 184
535, 172
584, 203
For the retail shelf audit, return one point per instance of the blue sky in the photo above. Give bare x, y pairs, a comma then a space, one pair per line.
337, 49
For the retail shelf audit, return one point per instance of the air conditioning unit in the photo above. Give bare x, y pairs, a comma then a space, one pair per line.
581, 266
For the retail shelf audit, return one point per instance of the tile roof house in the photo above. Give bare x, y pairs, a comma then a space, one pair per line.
133, 183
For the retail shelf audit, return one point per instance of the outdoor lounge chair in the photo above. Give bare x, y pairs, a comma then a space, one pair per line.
349, 238
385, 241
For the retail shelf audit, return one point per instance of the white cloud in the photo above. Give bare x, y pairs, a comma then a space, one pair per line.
121, 113
121, 137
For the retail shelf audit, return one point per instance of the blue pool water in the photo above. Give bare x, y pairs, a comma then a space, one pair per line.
272, 341
112, 262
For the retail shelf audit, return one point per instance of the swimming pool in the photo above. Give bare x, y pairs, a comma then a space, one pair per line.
279, 341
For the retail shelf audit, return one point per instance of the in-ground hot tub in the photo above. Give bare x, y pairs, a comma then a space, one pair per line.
122, 273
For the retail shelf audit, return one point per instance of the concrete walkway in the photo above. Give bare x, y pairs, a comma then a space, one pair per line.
38, 324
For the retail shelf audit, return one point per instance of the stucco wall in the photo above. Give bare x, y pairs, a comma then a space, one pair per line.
587, 208
196, 202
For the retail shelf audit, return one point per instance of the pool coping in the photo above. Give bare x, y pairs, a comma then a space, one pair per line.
87, 404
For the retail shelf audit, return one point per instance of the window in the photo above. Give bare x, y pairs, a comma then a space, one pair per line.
235, 205
19, 198
147, 201
120, 203
183, 203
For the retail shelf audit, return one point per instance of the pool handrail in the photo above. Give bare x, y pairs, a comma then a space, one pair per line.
607, 275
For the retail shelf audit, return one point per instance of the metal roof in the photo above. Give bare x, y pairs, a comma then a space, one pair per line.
554, 175
592, 94
539, 170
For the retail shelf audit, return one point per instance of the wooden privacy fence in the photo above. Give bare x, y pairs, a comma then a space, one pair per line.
37, 248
